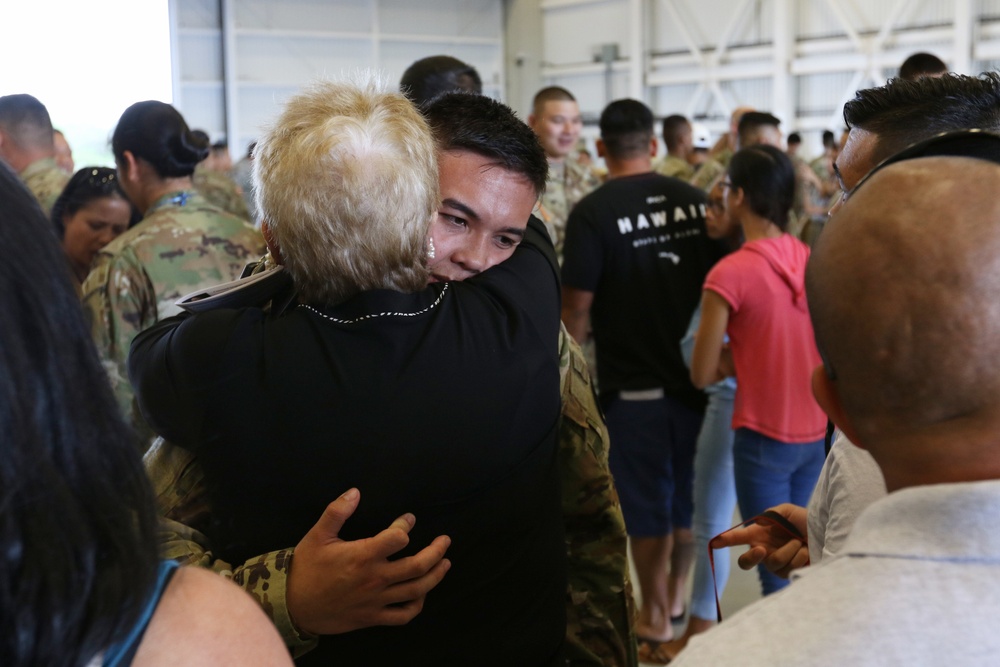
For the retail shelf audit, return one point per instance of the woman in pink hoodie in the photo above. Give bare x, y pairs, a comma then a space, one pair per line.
756, 295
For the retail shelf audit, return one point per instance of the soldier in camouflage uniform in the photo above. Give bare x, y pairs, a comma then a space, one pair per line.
601, 615
182, 244
679, 140
26, 144
221, 191
556, 120
721, 154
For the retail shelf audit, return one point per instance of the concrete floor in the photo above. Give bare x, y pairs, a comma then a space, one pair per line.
743, 588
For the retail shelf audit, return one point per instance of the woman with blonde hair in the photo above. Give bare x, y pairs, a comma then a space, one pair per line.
371, 378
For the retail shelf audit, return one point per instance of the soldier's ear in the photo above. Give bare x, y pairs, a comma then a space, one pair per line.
272, 243
601, 149
128, 168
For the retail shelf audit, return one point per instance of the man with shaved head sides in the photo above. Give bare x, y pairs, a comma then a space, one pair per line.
902, 291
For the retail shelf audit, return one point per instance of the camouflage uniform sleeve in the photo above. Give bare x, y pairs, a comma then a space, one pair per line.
119, 302
600, 609
706, 176
179, 487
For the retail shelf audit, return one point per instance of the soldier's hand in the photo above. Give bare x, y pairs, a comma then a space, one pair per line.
770, 544
337, 586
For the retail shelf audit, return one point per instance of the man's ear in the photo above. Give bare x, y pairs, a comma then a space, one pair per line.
653, 146
601, 149
272, 243
828, 397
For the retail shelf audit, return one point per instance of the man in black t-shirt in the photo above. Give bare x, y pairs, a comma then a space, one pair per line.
636, 256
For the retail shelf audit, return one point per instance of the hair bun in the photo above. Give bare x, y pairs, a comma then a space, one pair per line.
186, 151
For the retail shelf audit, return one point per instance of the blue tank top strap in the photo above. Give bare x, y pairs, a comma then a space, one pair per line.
121, 654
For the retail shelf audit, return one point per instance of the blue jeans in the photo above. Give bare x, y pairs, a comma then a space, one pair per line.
714, 500
770, 472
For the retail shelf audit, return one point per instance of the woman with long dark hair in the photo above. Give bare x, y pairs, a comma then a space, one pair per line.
756, 295
80, 580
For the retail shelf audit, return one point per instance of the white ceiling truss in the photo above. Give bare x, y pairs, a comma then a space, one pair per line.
856, 45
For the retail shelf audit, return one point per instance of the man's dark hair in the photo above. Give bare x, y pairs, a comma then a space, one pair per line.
829, 141
26, 121
751, 121
463, 121
550, 94
626, 129
767, 177
794, 138
433, 76
903, 112
920, 65
674, 128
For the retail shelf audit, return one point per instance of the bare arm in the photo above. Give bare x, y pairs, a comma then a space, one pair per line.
576, 312
707, 355
202, 619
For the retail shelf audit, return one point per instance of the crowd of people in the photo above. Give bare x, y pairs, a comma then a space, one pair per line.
424, 384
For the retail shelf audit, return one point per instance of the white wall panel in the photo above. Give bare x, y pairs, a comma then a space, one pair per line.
338, 16
262, 51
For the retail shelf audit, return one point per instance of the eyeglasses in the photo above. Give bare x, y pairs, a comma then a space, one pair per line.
716, 204
726, 184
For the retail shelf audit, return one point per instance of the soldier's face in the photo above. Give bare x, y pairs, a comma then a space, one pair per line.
64, 154
92, 227
484, 212
558, 127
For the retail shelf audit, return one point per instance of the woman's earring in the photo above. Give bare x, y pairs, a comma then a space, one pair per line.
430, 247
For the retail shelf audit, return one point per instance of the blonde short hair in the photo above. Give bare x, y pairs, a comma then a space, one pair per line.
347, 181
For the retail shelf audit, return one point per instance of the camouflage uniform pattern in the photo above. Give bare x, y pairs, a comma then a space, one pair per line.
46, 181
568, 182
181, 497
708, 173
675, 167
183, 244
600, 609
221, 191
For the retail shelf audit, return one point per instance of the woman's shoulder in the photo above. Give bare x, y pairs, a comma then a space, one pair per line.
204, 619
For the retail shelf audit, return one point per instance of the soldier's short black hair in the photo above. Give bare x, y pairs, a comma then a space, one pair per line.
920, 65
433, 76
903, 112
25, 121
550, 94
674, 127
462, 121
626, 128
794, 138
751, 121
